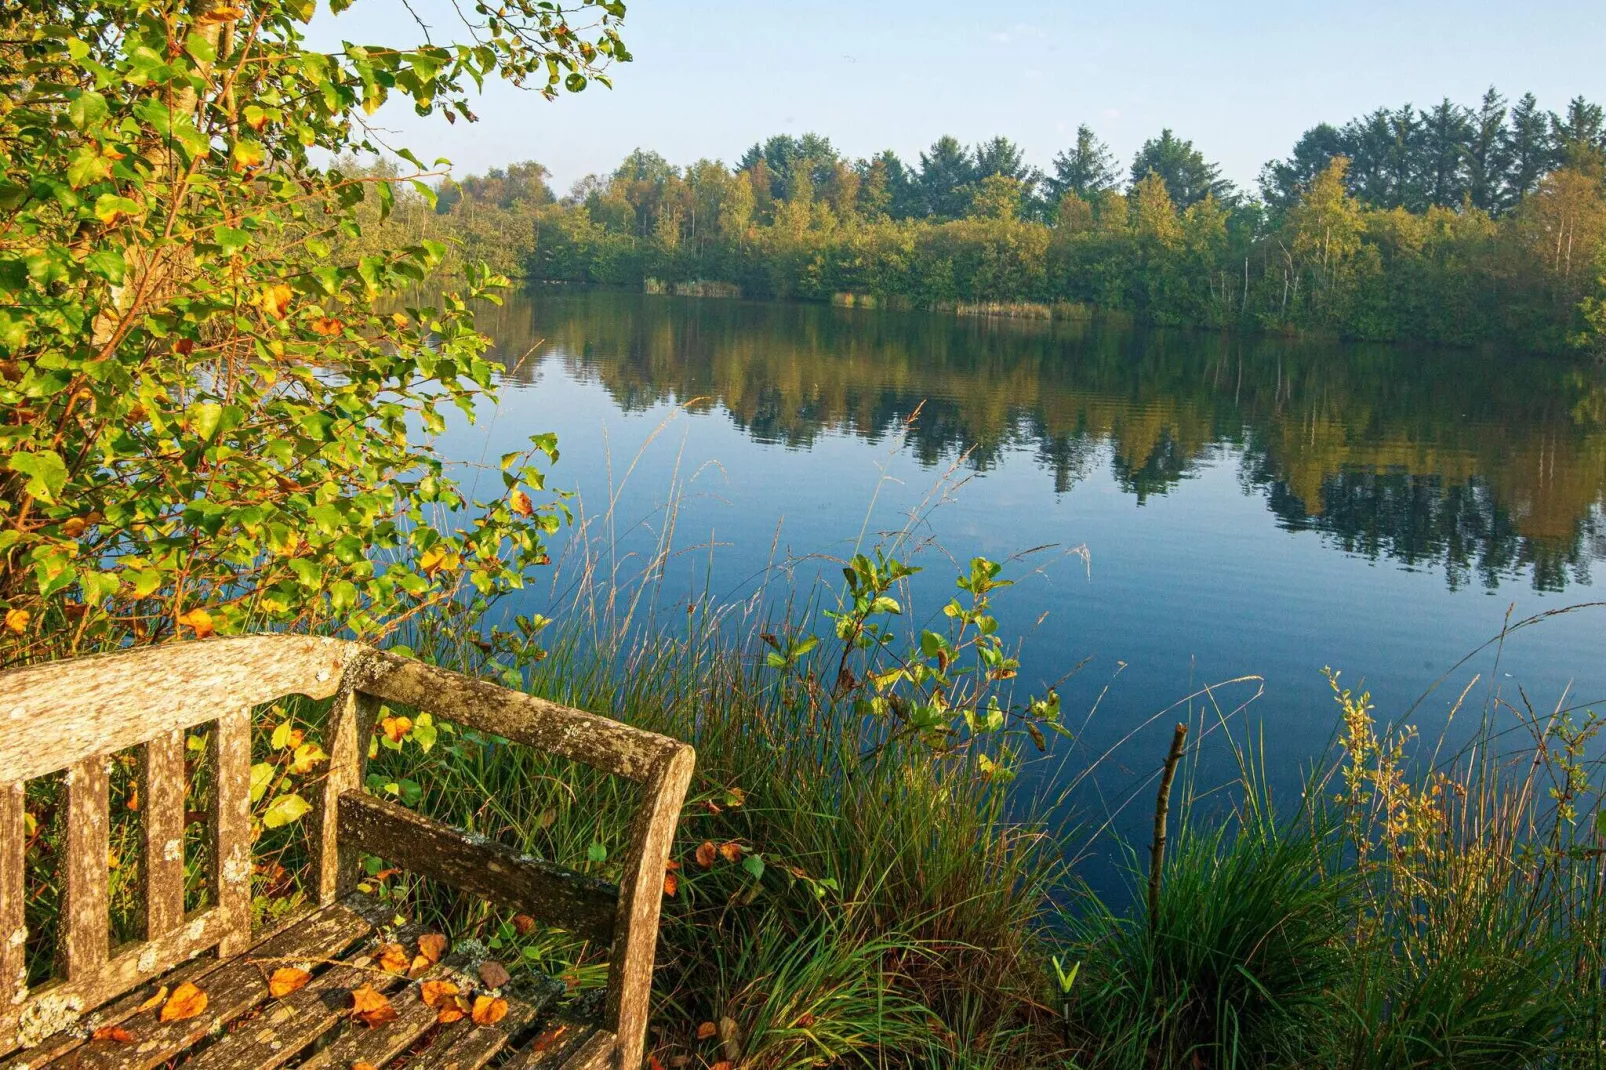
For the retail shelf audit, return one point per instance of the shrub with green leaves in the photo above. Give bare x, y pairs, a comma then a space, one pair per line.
210, 420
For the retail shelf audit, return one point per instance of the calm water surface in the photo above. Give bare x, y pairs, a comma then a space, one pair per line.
1246, 506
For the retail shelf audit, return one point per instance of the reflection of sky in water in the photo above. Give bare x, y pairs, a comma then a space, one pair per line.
1230, 555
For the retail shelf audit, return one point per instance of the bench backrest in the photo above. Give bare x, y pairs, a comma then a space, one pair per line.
72, 716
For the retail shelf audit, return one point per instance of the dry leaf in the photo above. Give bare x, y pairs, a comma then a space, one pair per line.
549, 1038
396, 728
432, 945
455, 1008
221, 14
420, 966
360, 1065
713, 807
370, 1007
805, 1020
17, 620
155, 1001
114, 1033
523, 924
494, 974
731, 852
723, 1064
186, 1002
287, 979
671, 885
393, 958
706, 853
671, 866
327, 326
521, 503
653, 1063
706, 1030
488, 1010
437, 993
735, 797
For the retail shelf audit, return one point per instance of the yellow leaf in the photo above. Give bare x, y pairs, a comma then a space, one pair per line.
521, 504
287, 979
221, 14
74, 527
187, 1001
155, 1001
198, 621
731, 852
17, 620
396, 728
488, 1010
275, 299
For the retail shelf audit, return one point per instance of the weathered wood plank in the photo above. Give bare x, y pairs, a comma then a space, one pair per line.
162, 788
635, 942
231, 829
85, 925
13, 895
54, 714
379, 1044
122, 982
546, 891
596, 741
466, 1046
285, 1027
350, 722
565, 1042
231, 991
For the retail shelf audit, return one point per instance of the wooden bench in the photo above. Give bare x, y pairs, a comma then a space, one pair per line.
72, 716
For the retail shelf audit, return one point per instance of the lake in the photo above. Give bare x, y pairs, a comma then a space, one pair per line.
1240, 505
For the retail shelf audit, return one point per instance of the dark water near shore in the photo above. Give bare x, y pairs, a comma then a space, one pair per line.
1247, 506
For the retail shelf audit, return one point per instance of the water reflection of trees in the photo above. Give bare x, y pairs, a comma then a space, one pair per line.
1488, 465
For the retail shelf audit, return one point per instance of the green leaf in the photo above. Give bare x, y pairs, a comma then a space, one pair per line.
108, 264
46, 473
86, 109
754, 864
597, 853
85, 165
424, 732
286, 810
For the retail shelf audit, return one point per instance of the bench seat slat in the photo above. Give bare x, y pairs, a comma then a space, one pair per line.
565, 1042
231, 991
466, 1046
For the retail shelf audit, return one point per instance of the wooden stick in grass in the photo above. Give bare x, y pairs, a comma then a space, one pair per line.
1162, 809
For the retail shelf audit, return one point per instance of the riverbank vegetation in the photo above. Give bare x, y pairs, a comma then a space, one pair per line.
216, 421
1452, 225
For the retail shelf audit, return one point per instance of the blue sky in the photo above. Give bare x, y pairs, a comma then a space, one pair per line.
1241, 80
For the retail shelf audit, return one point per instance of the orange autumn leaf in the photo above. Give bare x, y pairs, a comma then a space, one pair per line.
396, 729
653, 1063
420, 966
275, 299
520, 503
393, 958
327, 326
198, 621
706, 1030
488, 1010
437, 993
454, 1009
370, 1007
706, 853
671, 884
73, 527
431, 945
723, 1064
549, 1038
155, 1001
731, 852
360, 1065
115, 1033
287, 979
523, 924
17, 620
221, 14
805, 1020
187, 1001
